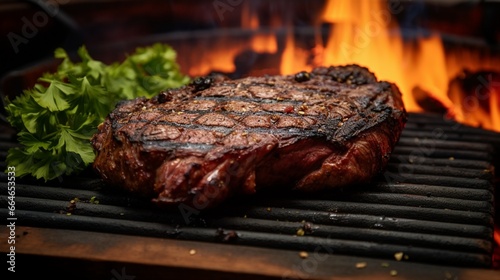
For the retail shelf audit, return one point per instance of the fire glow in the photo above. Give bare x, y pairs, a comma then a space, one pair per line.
367, 33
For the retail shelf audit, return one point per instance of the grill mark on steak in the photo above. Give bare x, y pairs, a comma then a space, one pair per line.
174, 145
329, 128
219, 99
288, 130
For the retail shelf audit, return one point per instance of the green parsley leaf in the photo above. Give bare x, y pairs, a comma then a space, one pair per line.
56, 119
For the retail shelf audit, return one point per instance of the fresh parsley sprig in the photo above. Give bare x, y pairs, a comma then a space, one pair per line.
57, 117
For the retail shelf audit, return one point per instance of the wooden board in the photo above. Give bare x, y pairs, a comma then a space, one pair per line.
73, 254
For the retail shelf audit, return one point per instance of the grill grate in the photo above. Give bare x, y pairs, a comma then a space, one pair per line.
435, 203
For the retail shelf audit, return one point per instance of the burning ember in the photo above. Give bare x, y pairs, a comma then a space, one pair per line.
461, 82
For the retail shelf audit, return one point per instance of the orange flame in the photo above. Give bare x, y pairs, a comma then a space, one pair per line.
367, 33
260, 43
362, 33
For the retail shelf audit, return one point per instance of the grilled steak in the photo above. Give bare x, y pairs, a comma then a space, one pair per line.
202, 143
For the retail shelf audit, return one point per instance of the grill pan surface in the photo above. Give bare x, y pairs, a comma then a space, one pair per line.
434, 204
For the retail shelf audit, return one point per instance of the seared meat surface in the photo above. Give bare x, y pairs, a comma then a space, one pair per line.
215, 138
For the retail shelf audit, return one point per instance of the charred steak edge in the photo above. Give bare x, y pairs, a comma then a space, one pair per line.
203, 143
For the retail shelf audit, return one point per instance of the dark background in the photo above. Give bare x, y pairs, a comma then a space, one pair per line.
31, 30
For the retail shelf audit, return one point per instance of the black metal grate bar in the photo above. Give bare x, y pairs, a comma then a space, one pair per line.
435, 203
